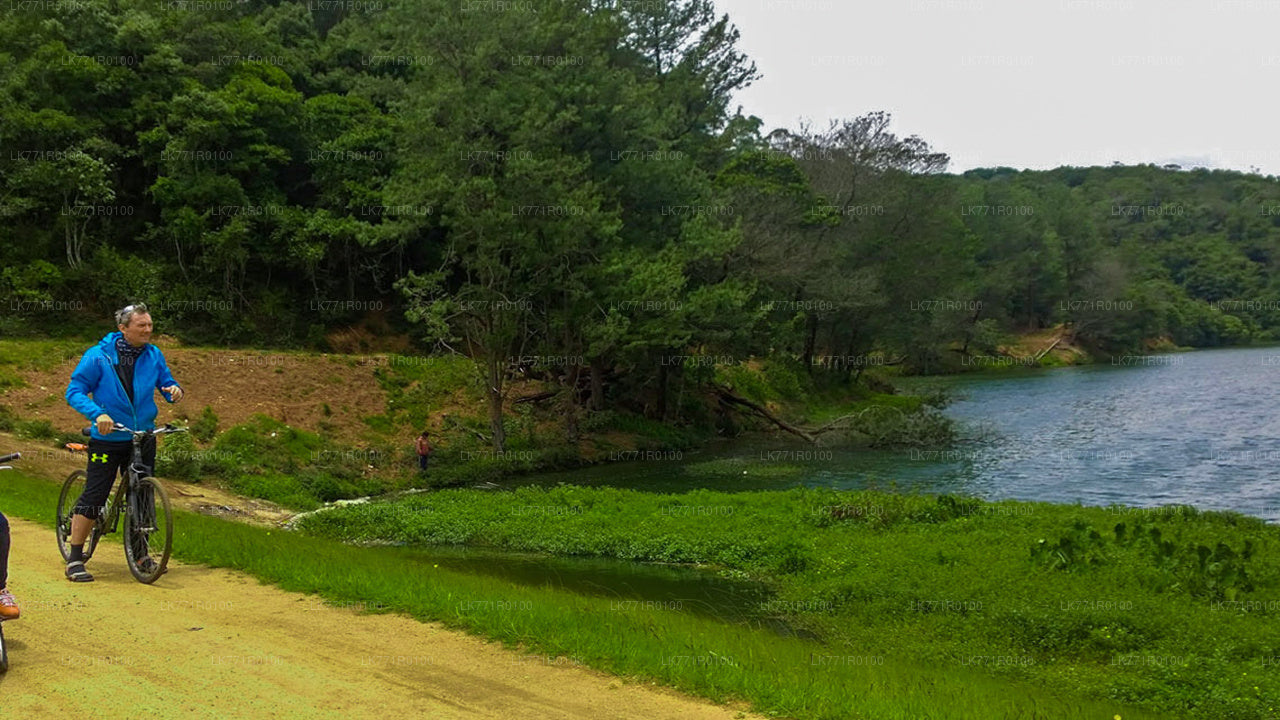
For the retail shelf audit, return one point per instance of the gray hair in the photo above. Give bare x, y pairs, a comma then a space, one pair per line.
124, 315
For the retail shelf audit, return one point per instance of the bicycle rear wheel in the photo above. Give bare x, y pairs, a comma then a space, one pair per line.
72, 489
4, 652
148, 530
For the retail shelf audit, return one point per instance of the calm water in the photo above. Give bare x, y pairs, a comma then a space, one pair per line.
1199, 428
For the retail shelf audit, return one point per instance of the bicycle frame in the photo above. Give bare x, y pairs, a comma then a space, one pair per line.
129, 483
111, 520
116, 503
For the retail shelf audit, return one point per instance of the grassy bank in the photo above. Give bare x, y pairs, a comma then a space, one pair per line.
1175, 610
784, 677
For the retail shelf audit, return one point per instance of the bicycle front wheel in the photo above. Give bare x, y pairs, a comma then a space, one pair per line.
148, 531
72, 489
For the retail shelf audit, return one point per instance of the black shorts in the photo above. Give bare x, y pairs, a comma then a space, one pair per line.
107, 460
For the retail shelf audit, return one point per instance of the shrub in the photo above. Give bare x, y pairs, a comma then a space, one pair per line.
206, 427
35, 429
179, 459
1081, 546
10, 379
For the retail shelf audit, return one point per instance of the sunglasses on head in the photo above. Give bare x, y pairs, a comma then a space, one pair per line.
129, 310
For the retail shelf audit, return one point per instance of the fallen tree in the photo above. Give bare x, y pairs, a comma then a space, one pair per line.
732, 400
728, 397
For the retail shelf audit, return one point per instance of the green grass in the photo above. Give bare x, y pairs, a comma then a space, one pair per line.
268, 459
32, 429
784, 677
822, 413
417, 385
881, 420
646, 433
873, 415
1108, 604
776, 381
10, 379
33, 354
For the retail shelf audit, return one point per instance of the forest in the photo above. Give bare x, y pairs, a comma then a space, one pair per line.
564, 188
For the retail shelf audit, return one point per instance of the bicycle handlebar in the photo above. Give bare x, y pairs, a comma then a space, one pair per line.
12, 456
167, 429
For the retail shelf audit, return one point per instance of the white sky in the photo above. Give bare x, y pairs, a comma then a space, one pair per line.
1030, 84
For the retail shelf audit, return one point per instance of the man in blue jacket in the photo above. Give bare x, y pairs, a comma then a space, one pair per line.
115, 382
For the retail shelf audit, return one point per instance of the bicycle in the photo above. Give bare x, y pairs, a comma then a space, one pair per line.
140, 499
4, 651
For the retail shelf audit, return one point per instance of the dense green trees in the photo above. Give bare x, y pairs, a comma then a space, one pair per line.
561, 188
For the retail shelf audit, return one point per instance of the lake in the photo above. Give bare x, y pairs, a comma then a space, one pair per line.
1198, 428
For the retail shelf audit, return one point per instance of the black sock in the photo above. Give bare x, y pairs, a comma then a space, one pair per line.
77, 553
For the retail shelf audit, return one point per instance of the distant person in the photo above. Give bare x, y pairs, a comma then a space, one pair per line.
424, 451
115, 381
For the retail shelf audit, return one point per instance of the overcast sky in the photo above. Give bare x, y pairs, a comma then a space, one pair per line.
1030, 84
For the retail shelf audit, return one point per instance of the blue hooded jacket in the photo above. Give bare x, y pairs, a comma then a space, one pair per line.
96, 376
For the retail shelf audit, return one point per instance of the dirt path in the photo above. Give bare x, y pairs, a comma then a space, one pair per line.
211, 643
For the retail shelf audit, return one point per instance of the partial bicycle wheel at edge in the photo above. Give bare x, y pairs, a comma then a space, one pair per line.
72, 489
148, 529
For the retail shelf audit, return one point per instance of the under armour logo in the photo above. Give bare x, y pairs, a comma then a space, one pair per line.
98, 457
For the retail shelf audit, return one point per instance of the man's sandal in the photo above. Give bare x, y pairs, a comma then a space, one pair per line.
77, 573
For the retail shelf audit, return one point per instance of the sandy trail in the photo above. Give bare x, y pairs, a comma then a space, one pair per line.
213, 643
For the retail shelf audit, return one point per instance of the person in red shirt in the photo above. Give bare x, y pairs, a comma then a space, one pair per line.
424, 451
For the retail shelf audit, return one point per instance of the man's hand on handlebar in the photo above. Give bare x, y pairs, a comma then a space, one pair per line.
105, 424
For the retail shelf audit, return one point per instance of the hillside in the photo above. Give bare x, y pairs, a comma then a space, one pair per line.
291, 387
273, 415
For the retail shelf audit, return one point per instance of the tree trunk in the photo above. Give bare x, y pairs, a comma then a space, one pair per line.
71, 258
177, 244
809, 342
849, 361
730, 398
570, 406
973, 322
661, 408
1045, 351
597, 383
680, 398
494, 391
75, 241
